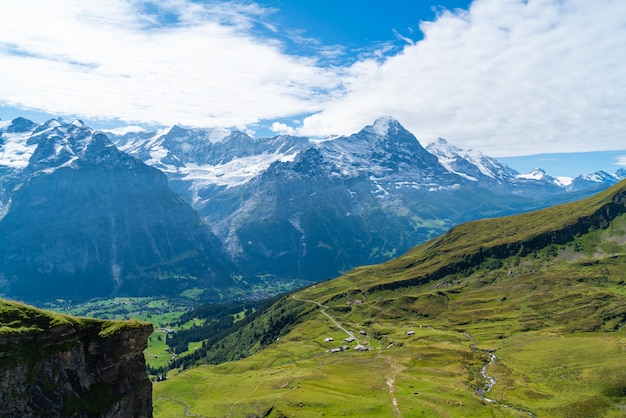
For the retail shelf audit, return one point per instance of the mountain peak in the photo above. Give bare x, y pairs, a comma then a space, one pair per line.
442, 147
20, 124
383, 125
176, 131
535, 174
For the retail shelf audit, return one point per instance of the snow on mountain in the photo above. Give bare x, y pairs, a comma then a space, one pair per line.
381, 126
83, 219
291, 207
593, 180
384, 152
564, 180
599, 177
489, 173
535, 174
207, 157
15, 149
235, 172
539, 174
389, 155
469, 163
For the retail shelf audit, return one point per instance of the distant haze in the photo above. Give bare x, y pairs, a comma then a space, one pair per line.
568, 164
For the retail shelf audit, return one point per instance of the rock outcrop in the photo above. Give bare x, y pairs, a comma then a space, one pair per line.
58, 366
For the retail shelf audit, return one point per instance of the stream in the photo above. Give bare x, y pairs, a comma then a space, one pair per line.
490, 380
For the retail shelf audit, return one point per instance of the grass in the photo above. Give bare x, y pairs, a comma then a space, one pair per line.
579, 374
299, 377
546, 291
160, 312
26, 332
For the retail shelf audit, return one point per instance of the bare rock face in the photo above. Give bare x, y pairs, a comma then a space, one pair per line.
84, 220
78, 368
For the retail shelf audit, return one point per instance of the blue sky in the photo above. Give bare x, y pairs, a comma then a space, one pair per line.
510, 78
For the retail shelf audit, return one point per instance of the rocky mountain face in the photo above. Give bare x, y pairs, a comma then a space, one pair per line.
293, 207
72, 205
83, 219
57, 366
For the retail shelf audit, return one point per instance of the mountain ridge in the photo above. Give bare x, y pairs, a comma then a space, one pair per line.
280, 208
374, 193
85, 219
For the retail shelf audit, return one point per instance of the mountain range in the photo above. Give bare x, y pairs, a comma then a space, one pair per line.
85, 219
289, 206
217, 210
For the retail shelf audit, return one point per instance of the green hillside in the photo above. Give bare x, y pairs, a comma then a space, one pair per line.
541, 296
28, 333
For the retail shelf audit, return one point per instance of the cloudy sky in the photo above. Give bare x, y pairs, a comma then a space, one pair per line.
506, 77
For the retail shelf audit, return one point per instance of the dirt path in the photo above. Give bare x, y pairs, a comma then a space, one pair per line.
390, 381
230, 412
333, 320
181, 403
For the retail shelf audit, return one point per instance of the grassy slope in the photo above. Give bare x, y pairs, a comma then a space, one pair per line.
21, 325
545, 291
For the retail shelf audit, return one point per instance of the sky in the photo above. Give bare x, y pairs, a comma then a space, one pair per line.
510, 78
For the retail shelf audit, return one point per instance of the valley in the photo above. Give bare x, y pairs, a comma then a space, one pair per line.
220, 215
293, 287
313, 209
553, 316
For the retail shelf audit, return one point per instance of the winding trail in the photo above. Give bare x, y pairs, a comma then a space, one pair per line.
333, 320
490, 380
389, 380
232, 406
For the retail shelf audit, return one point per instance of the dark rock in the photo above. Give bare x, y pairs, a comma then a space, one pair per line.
79, 369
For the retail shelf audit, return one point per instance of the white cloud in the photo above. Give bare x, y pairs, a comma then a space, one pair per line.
508, 77
122, 130
114, 59
621, 161
281, 128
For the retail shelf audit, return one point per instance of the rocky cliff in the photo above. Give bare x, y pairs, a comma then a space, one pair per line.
87, 220
58, 366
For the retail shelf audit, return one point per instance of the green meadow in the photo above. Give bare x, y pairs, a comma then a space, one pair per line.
162, 313
544, 292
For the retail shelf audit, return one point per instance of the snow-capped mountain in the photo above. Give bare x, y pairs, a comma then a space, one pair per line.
470, 164
281, 207
593, 180
83, 219
294, 207
390, 156
487, 172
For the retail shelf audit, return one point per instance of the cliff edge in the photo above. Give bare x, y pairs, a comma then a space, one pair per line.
56, 365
